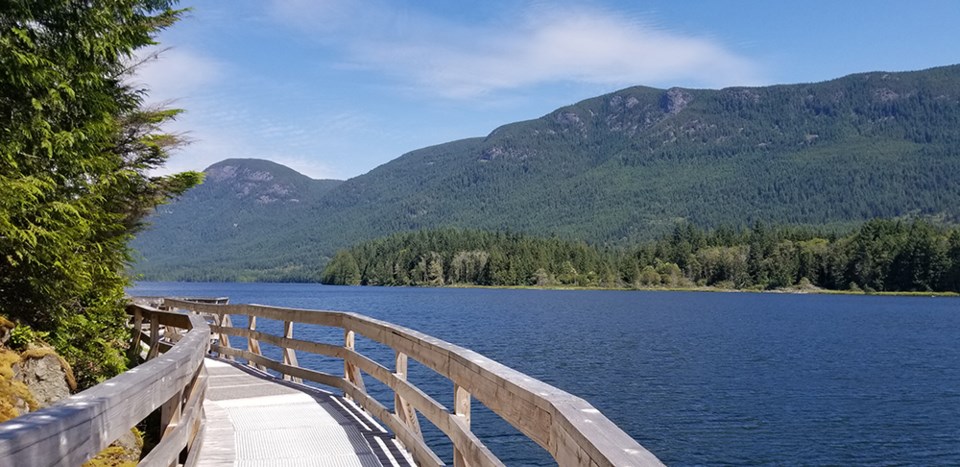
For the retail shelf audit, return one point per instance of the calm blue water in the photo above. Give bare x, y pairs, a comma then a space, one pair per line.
697, 378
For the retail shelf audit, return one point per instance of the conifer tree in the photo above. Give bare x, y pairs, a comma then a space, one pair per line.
76, 148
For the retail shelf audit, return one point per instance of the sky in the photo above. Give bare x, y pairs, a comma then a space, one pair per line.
335, 88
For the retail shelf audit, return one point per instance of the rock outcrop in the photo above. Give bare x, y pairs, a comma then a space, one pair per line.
46, 375
675, 100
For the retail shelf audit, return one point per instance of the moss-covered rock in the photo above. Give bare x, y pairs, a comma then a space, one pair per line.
124, 452
38, 377
15, 397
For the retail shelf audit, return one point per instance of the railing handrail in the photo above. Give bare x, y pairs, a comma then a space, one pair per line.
77, 428
568, 427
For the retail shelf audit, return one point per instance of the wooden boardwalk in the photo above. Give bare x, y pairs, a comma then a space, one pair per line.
256, 420
215, 412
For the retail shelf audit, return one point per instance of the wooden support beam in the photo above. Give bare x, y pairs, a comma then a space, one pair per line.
170, 413
401, 407
226, 322
415, 446
289, 355
80, 426
193, 400
253, 345
309, 375
154, 338
350, 371
569, 428
461, 409
328, 350
137, 333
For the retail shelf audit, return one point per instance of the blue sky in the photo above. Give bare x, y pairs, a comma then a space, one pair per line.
334, 88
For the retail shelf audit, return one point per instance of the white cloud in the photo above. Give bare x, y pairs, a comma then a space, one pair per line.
541, 46
305, 165
175, 73
214, 137
210, 147
237, 110
287, 145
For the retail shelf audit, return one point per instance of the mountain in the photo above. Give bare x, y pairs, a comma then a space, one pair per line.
624, 167
233, 219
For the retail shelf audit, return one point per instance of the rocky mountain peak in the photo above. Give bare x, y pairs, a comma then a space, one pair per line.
264, 181
674, 100
236, 172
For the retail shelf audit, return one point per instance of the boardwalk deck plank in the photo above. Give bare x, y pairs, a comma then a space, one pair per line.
255, 420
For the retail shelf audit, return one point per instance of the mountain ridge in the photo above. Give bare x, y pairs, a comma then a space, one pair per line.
628, 165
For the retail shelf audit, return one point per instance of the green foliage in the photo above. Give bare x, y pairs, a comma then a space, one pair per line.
23, 335
75, 149
433, 258
342, 270
882, 255
951, 279
253, 213
617, 169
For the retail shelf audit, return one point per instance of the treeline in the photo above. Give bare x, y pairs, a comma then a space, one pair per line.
882, 255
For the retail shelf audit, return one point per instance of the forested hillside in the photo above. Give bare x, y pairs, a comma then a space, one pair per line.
882, 255
237, 220
629, 166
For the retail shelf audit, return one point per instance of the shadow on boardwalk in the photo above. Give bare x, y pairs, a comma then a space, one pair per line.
255, 419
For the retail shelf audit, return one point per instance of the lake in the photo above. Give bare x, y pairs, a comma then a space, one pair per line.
696, 377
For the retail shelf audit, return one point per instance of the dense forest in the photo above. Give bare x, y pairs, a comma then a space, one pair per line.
617, 169
882, 255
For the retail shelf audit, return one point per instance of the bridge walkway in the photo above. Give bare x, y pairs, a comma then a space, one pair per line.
254, 419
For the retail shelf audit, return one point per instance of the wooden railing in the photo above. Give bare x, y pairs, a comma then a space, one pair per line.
569, 428
173, 380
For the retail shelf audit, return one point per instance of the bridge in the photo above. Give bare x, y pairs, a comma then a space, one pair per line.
212, 404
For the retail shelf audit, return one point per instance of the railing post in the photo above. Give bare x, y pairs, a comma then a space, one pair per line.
350, 371
225, 322
154, 338
461, 408
196, 388
253, 345
170, 413
403, 409
134, 350
289, 355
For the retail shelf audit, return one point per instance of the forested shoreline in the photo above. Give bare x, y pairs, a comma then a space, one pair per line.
882, 255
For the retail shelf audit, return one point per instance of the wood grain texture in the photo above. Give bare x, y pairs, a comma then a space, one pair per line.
77, 428
403, 409
568, 427
225, 321
289, 354
253, 345
296, 344
303, 373
350, 370
137, 329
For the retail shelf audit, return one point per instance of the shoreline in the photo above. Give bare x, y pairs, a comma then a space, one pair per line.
707, 289
813, 291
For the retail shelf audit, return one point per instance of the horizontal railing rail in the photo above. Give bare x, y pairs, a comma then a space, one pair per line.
569, 428
173, 380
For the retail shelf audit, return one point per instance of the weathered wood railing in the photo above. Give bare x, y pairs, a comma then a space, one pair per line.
569, 428
173, 380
